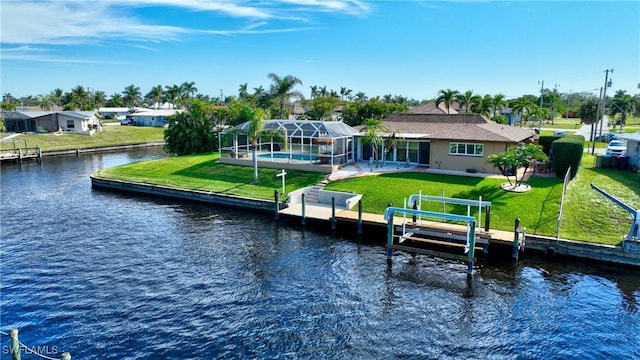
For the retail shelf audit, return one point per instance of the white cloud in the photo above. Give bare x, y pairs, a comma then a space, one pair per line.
74, 22
29, 53
351, 7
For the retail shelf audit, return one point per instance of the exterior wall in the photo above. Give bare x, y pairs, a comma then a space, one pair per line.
157, 121
440, 158
65, 122
633, 152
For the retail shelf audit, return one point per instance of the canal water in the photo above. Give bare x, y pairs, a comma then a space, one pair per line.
109, 275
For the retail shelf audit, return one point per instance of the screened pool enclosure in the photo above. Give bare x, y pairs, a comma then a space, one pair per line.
307, 141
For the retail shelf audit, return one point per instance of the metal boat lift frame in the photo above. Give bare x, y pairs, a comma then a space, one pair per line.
471, 230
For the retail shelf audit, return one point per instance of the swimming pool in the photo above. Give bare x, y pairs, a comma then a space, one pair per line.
280, 155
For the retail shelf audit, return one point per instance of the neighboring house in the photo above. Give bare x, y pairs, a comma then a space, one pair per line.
156, 118
114, 112
432, 108
32, 121
460, 142
512, 118
633, 148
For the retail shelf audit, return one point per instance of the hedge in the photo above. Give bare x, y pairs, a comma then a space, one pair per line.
567, 151
546, 140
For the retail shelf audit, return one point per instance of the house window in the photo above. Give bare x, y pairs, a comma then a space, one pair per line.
70, 124
466, 149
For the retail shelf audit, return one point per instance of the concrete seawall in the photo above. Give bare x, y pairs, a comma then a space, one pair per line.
627, 255
100, 149
188, 195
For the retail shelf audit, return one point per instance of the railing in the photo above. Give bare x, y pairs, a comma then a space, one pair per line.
17, 348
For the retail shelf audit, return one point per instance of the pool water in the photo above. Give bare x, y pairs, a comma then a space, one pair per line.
300, 157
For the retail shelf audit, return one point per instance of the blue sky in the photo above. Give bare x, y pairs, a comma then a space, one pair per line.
408, 48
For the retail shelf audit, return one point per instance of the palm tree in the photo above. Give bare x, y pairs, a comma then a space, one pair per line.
521, 106
361, 97
242, 91
465, 99
282, 89
115, 100
131, 96
314, 92
79, 97
372, 130
172, 94
498, 103
481, 105
155, 95
187, 91
99, 99
447, 97
45, 102
56, 96
622, 104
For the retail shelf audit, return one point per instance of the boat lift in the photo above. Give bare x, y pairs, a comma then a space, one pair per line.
633, 232
471, 233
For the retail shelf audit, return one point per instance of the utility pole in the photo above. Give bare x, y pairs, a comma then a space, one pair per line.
594, 131
607, 83
541, 95
553, 111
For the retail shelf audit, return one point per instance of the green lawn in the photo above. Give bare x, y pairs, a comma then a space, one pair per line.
589, 215
109, 136
202, 172
537, 209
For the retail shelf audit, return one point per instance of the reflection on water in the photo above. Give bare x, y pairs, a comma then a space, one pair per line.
102, 274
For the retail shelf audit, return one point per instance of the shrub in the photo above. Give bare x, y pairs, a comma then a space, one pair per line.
567, 151
546, 140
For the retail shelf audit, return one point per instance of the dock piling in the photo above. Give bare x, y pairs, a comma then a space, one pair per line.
360, 216
303, 214
516, 238
15, 344
277, 204
333, 213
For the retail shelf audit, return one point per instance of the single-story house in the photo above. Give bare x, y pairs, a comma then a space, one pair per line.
149, 117
633, 148
460, 142
114, 112
32, 121
512, 118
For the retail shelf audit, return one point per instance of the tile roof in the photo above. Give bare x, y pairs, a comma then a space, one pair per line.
455, 127
431, 108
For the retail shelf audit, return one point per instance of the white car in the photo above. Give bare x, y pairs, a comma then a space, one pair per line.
617, 148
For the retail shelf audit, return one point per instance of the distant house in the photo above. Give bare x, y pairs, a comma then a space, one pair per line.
155, 118
32, 121
458, 142
114, 112
512, 118
432, 108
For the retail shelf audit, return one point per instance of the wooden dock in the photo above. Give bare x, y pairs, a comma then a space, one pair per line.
20, 154
494, 236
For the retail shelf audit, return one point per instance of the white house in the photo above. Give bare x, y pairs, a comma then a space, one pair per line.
31, 121
157, 118
633, 148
